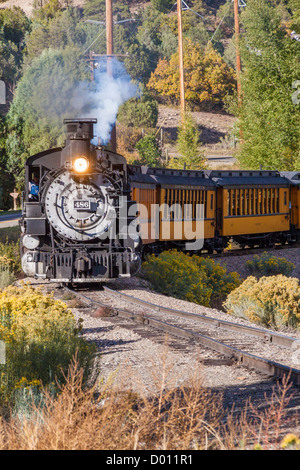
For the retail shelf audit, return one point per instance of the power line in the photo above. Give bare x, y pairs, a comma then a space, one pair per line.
226, 13
98, 37
187, 8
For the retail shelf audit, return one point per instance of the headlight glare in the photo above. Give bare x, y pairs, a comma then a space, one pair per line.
81, 164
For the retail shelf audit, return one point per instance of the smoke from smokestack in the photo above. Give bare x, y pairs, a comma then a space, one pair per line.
102, 98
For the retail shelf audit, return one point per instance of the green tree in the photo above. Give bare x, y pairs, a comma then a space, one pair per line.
187, 144
149, 151
44, 97
95, 9
138, 62
10, 61
47, 9
14, 25
149, 31
64, 30
294, 7
6, 178
139, 112
162, 5
268, 117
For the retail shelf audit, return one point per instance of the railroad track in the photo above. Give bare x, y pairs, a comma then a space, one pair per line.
233, 341
238, 251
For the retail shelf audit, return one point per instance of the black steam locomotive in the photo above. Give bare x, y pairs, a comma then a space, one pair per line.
73, 223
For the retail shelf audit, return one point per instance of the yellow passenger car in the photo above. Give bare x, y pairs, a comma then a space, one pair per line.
175, 205
252, 205
294, 178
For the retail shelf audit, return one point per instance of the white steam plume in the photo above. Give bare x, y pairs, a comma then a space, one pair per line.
102, 98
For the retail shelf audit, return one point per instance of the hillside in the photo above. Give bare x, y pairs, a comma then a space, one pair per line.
215, 131
27, 5
215, 128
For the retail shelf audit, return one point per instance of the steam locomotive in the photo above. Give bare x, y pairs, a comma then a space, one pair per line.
88, 216
72, 226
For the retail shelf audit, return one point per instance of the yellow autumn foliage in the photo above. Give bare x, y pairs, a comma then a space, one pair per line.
191, 278
272, 301
207, 77
41, 337
28, 310
290, 442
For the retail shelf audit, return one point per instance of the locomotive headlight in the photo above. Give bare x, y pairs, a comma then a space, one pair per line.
81, 164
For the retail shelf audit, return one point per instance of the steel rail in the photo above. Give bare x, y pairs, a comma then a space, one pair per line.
265, 366
238, 251
272, 337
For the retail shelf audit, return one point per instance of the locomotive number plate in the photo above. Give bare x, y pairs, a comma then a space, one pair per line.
83, 205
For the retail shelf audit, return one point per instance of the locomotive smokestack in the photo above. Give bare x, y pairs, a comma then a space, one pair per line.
80, 129
79, 134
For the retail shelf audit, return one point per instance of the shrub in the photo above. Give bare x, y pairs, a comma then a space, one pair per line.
6, 271
190, 278
41, 337
11, 250
269, 265
139, 112
149, 151
272, 301
10, 234
10, 262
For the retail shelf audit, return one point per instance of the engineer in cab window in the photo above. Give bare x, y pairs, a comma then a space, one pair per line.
34, 188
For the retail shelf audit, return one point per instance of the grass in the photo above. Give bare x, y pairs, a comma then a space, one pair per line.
111, 417
9, 234
9, 212
10, 260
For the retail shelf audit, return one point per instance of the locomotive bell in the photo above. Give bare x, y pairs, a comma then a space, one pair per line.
77, 152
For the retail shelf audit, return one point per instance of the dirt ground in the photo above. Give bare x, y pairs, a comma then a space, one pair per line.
27, 5
238, 263
215, 129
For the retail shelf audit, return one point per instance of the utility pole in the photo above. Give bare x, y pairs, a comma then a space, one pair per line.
110, 52
238, 59
237, 42
109, 28
93, 58
180, 49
